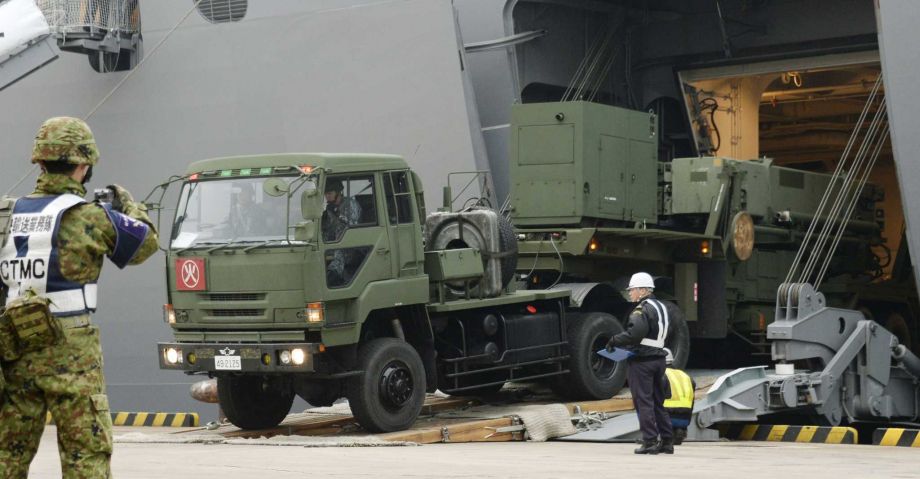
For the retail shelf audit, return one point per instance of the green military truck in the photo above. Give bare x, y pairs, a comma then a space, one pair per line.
592, 204
269, 292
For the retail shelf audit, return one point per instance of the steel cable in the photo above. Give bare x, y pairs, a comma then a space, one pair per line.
847, 193
809, 234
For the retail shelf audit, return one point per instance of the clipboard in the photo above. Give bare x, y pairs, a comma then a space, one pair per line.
618, 354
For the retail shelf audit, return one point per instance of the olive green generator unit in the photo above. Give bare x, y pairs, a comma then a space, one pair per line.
578, 160
322, 276
592, 205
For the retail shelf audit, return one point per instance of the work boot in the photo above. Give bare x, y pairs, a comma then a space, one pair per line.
648, 447
679, 436
666, 446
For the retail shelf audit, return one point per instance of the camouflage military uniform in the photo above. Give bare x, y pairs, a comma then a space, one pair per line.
336, 220
67, 379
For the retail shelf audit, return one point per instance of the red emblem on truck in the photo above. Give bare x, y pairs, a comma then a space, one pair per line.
190, 274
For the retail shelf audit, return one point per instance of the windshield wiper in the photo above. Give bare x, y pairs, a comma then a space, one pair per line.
221, 246
263, 244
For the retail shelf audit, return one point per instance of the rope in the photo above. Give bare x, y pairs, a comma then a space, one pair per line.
116, 87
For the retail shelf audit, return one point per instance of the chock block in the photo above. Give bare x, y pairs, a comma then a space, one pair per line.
151, 419
896, 437
781, 433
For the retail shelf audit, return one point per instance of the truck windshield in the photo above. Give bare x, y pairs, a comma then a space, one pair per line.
234, 211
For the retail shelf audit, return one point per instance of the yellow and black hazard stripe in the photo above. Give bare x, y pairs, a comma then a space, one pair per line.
152, 419
896, 437
780, 433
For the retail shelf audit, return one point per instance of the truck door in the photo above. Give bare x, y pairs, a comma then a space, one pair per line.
404, 227
356, 246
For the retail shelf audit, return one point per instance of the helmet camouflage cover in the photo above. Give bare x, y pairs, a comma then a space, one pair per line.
65, 139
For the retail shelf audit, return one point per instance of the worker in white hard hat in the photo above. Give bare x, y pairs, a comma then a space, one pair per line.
645, 336
679, 401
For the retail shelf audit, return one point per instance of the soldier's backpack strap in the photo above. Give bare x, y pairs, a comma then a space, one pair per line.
6, 214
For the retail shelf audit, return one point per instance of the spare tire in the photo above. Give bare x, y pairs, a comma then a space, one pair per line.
449, 231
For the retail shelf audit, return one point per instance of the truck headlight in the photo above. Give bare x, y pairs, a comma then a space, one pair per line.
172, 356
298, 356
285, 357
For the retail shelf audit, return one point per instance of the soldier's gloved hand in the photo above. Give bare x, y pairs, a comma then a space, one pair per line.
610, 345
123, 198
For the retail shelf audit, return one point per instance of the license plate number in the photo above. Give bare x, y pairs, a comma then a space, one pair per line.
228, 363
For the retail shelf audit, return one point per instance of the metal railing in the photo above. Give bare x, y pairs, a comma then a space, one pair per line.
91, 16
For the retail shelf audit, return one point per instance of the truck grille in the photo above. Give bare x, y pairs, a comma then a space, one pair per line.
227, 297
235, 313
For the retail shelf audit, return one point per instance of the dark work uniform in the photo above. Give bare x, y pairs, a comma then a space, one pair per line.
645, 335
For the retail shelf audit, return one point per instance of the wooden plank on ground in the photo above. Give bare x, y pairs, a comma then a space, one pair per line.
298, 426
472, 431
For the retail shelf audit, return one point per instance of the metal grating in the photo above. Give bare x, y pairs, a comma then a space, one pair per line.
69, 16
235, 313
232, 297
223, 11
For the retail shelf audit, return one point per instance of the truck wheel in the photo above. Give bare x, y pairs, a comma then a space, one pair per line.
390, 394
254, 402
591, 376
678, 341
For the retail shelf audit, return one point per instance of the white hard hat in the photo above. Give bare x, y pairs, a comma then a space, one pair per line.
641, 280
669, 358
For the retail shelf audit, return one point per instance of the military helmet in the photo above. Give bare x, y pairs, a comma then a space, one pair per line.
65, 139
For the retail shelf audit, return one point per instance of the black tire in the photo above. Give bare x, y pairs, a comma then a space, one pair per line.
254, 402
509, 247
590, 375
390, 394
678, 341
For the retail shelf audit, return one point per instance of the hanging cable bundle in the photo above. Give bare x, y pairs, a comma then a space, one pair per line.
843, 193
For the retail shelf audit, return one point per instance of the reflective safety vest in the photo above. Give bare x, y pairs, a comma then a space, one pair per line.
681, 396
30, 257
661, 313
30, 260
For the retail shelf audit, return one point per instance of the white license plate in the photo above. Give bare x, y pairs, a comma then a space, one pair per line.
227, 363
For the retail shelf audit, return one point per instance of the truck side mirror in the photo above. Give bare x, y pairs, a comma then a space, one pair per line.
309, 206
275, 187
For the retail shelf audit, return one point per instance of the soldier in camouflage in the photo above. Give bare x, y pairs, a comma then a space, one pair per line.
341, 212
54, 246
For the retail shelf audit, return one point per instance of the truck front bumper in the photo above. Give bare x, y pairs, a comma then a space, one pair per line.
239, 357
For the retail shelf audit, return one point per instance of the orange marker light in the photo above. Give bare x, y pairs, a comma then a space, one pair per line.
593, 245
704, 247
531, 309
306, 169
193, 177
